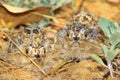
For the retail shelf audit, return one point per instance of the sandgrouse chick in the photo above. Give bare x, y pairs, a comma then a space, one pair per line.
78, 35
33, 41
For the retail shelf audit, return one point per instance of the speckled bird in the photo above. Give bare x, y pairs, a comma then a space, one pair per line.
33, 41
79, 34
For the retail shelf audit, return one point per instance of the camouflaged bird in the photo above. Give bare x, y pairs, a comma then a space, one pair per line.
33, 41
78, 36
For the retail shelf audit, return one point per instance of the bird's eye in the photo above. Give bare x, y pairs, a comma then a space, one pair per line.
85, 35
67, 35
5, 38
27, 52
27, 31
44, 51
35, 31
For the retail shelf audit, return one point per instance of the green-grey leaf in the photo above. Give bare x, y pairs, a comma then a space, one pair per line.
112, 28
16, 2
105, 49
59, 3
98, 59
116, 26
44, 22
104, 25
74, 7
115, 39
112, 54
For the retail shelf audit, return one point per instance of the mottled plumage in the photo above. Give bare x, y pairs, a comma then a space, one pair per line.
33, 41
82, 29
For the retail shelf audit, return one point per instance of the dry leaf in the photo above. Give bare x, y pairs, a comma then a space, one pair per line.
13, 9
21, 15
102, 9
58, 25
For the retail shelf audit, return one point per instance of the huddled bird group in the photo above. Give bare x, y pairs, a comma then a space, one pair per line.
77, 35
73, 42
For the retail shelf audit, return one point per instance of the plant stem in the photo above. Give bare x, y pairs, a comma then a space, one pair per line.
110, 69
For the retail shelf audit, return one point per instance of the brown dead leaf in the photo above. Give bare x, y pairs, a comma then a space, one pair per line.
102, 9
15, 9
21, 15
58, 25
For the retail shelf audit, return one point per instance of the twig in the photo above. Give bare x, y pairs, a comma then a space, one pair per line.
25, 54
116, 72
63, 69
79, 4
50, 17
57, 67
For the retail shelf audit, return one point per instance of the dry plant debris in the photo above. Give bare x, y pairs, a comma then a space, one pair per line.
103, 9
63, 58
79, 38
20, 16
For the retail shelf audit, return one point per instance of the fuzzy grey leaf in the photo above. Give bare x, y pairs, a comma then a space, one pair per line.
98, 59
